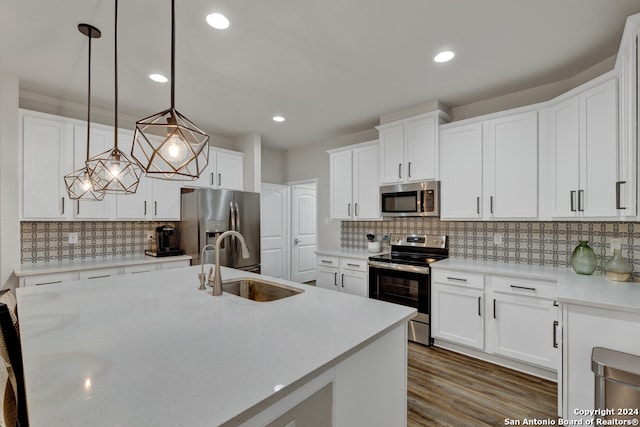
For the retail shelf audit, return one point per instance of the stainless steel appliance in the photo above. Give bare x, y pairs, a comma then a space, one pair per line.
403, 277
166, 242
207, 213
413, 199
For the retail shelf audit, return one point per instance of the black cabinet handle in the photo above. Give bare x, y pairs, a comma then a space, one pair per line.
580, 201
572, 199
555, 333
335, 279
618, 185
479, 301
343, 280
399, 170
494, 308
525, 288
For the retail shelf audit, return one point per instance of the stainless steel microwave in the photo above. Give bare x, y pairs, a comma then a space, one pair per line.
413, 199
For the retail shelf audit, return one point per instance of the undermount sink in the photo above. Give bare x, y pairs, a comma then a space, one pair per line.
259, 290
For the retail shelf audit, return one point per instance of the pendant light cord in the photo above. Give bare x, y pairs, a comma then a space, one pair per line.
89, 96
115, 61
173, 54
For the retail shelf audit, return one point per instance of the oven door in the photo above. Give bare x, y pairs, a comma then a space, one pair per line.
405, 285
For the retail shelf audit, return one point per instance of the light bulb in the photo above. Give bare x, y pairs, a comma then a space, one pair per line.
114, 169
86, 184
174, 150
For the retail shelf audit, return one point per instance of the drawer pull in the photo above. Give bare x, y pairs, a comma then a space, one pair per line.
324, 261
555, 333
48, 283
353, 265
524, 288
456, 279
99, 277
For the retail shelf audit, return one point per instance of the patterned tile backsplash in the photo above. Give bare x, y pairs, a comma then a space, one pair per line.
535, 243
48, 241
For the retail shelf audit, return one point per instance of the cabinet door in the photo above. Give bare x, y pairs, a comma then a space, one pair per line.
564, 134
627, 93
392, 155
229, 170
366, 190
456, 315
598, 150
100, 140
354, 282
340, 176
327, 278
165, 199
134, 206
421, 149
523, 328
461, 171
510, 166
207, 178
47, 155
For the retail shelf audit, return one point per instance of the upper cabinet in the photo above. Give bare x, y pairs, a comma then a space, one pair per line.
489, 169
224, 170
409, 148
354, 191
47, 157
583, 143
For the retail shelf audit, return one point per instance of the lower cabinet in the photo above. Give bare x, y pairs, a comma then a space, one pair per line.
506, 316
96, 273
343, 274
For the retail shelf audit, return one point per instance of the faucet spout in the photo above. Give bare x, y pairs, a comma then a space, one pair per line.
217, 278
201, 276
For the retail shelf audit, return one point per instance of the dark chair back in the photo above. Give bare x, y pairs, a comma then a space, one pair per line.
14, 351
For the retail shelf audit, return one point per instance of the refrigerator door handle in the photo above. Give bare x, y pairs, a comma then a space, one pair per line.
237, 227
232, 217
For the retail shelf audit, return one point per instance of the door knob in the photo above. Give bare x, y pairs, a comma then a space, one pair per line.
296, 241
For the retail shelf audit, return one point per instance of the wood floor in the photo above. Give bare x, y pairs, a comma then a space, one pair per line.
449, 389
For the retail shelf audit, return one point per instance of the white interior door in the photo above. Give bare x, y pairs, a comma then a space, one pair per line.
303, 232
274, 229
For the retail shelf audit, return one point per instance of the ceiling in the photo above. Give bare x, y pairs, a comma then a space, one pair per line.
331, 67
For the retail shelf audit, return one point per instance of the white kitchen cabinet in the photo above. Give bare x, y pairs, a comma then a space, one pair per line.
48, 278
409, 148
628, 94
583, 136
155, 199
489, 169
457, 308
354, 191
99, 273
47, 157
461, 172
343, 274
224, 170
101, 140
522, 320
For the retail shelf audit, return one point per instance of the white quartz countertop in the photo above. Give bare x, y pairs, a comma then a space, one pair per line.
93, 263
592, 291
151, 349
350, 253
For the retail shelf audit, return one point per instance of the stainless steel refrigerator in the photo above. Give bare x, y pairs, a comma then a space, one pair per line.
207, 213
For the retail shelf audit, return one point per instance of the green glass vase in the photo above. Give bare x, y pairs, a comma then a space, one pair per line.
583, 260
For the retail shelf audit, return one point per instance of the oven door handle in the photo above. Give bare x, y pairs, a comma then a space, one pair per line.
399, 267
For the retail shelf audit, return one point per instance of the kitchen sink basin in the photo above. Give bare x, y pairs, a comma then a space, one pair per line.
259, 290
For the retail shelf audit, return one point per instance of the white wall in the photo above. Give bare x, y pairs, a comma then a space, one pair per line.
312, 161
9, 182
273, 165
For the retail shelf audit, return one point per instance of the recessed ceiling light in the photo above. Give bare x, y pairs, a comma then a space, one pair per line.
158, 78
278, 119
217, 21
444, 56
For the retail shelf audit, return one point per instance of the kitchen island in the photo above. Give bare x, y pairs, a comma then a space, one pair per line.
153, 350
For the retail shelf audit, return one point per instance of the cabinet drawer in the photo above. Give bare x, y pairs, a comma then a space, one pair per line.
328, 261
98, 273
524, 287
167, 265
49, 279
135, 269
459, 278
354, 264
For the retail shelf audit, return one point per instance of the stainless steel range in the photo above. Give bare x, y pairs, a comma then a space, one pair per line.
403, 277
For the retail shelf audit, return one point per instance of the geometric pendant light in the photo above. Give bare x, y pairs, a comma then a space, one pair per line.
79, 186
167, 145
112, 171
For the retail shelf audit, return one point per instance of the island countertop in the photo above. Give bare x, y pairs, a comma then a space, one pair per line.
152, 349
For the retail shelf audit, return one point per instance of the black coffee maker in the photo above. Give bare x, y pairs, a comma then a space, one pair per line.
166, 242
